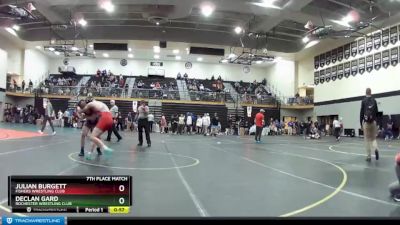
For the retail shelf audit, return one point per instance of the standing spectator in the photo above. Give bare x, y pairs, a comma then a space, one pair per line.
214, 125
368, 121
336, 128
151, 122
30, 86
163, 123
206, 123
259, 122
48, 112
181, 124
389, 130
189, 123
199, 124
143, 123
290, 127
114, 113
174, 123
23, 86
120, 122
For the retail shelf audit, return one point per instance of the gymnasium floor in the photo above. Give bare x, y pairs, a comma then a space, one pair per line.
194, 176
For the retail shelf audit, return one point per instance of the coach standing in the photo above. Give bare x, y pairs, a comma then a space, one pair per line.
143, 123
114, 113
259, 121
368, 120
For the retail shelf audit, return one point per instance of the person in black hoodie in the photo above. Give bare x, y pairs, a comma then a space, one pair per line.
368, 121
174, 123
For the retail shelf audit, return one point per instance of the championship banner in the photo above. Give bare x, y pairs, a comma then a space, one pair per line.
377, 61
334, 73
385, 59
393, 35
249, 109
370, 63
368, 44
134, 106
347, 51
347, 69
394, 56
327, 58
328, 74
354, 48
361, 46
322, 60
316, 62
340, 71
385, 37
361, 65
377, 40
316, 77
334, 55
354, 67
340, 54
322, 76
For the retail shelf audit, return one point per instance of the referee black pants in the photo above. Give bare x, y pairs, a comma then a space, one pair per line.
143, 124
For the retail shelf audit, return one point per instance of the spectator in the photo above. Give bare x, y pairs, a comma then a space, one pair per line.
389, 130
163, 123
179, 76
185, 76
150, 118
174, 123
201, 87
23, 86
189, 121
30, 86
199, 124
181, 124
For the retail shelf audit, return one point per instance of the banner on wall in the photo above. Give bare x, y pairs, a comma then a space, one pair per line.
354, 67
385, 37
340, 71
322, 60
393, 35
316, 77
385, 59
354, 48
134, 106
361, 65
377, 61
347, 51
377, 40
322, 76
249, 109
361, 46
340, 54
334, 73
316, 62
394, 56
370, 63
334, 56
327, 58
368, 43
328, 74
347, 69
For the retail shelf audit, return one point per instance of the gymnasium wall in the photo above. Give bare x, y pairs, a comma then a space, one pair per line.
36, 66
14, 55
3, 68
300, 114
281, 75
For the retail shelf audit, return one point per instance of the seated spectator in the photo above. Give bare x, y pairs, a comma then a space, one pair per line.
185, 76
157, 85
219, 78
179, 76
212, 78
201, 87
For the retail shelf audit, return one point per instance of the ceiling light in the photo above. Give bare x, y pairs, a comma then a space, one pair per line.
266, 4
175, 51
259, 61
57, 53
305, 39
158, 23
94, 53
82, 22
107, 5
178, 57
207, 10
224, 61
238, 30
53, 41
231, 56
311, 43
342, 22
200, 59
16, 27
11, 31
156, 49
39, 47
187, 49
130, 55
80, 54
106, 55
156, 56
129, 49
74, 48
51, 49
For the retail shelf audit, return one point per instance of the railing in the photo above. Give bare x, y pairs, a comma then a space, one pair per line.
308, 100
166, 94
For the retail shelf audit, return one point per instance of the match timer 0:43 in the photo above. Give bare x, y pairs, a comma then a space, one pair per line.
70, 194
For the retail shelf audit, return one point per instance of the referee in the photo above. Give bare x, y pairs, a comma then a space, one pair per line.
143, 123
114, 112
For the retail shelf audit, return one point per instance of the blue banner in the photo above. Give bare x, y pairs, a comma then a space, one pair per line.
33, 220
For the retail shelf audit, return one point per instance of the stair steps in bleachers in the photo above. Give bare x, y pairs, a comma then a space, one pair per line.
82, 82
183, 91
232, 96
155, 107
131, 82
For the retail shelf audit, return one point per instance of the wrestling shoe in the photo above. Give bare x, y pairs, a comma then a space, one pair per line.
107, 150
89, 156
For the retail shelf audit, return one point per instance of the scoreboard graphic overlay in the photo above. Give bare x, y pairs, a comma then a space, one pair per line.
70, 194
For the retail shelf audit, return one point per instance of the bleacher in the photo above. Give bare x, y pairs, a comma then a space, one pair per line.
157, 94
170, 109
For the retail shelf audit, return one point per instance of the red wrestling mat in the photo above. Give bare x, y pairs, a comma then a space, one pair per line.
16, 134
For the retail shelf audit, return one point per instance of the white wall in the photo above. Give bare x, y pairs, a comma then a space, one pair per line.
3, 68
14, 55
140, 67
305, 68
282, 76
300, 114
36, 66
